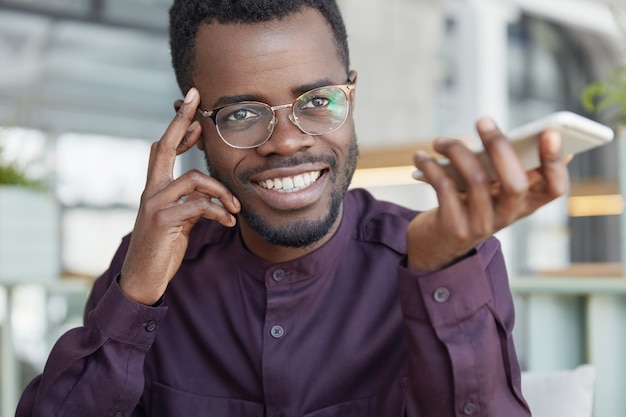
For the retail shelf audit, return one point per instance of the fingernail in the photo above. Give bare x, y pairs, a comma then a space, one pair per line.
191, 95
442, 141
417, 175
487, 123
237, 203
422, 154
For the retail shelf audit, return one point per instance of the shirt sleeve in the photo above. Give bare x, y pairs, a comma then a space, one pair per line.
97, 369
459, 324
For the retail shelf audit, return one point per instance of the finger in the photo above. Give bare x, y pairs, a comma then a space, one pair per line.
196, 182
502, 155
476, 182
199, 182
513, 179
164, 152
535, 177
553, 165
200, 205
190, 138
445, 187
448, 223
463, 165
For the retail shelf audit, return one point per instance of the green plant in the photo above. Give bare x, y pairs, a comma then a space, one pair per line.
610, 92
11, 174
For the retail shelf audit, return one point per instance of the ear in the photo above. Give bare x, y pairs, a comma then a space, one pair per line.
352, 76
178, 104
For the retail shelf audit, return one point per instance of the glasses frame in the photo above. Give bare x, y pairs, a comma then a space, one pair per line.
212, 114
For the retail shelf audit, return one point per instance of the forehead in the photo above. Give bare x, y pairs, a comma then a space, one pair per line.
268, 56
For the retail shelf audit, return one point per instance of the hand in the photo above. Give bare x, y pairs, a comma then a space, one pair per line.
439, 236
169, 209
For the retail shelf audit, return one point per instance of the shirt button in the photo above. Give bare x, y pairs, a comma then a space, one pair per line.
469, 409
278, 275
277, 332
441, 294
150, 327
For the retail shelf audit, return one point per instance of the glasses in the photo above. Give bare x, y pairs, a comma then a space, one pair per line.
249, 124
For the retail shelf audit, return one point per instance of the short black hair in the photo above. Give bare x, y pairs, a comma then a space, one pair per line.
186, 16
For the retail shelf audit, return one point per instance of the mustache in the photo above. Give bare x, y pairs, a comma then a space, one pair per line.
286, 162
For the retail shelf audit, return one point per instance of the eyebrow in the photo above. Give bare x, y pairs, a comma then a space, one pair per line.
226, 100
307, 87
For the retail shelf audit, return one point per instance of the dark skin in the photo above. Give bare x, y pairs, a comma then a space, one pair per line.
273, 62
464, 219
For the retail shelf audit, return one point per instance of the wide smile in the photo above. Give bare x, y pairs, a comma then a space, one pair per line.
291, 189
291, 184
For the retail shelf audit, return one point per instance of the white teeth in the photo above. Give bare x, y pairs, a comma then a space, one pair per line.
294, 183
287, 183
298, 181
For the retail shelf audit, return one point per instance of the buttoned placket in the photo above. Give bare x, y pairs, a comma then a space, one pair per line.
276, 349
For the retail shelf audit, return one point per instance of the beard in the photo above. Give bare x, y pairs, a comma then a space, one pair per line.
304, 232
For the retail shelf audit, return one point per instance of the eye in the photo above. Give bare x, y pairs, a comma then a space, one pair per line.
240, 114
321, 102
316, 102
240, 117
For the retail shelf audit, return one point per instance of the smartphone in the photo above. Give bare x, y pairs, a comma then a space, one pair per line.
578, 134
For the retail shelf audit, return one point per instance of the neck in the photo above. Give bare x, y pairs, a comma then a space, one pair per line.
256, 244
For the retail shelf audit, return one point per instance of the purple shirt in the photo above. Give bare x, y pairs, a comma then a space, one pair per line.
344, 331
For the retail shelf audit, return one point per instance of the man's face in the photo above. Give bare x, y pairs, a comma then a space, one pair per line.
274, 62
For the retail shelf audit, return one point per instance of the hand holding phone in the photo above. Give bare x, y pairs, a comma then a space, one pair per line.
578, 134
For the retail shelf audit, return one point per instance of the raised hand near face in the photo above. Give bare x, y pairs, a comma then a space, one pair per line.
439, 236
169, 209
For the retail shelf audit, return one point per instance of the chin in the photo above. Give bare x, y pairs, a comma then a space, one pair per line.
299, 233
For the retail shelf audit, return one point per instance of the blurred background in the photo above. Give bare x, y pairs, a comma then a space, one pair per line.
86, 86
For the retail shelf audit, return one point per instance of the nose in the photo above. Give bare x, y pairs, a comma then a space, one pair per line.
287, 138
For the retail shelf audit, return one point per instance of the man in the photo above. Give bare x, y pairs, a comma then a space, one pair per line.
267, 289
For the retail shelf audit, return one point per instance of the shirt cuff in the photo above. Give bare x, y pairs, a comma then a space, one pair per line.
446, 295
124, 320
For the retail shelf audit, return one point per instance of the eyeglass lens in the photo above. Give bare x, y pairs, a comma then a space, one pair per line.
316, 112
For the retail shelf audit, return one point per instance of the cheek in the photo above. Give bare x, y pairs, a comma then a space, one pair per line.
345, 141
223, 162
